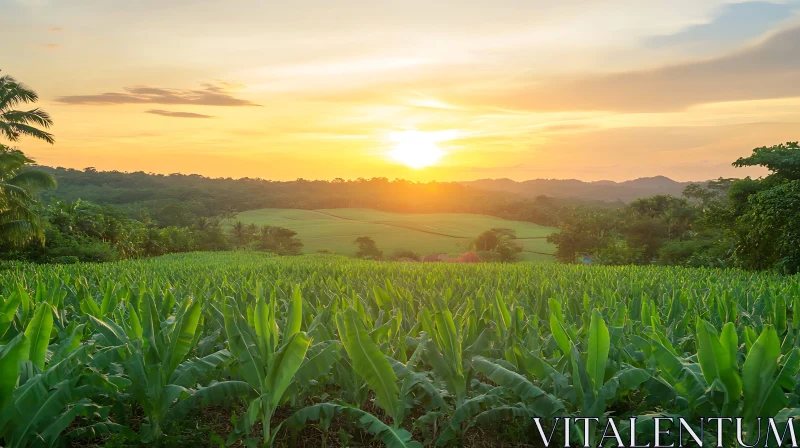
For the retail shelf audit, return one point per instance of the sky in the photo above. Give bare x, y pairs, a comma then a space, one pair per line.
321, 89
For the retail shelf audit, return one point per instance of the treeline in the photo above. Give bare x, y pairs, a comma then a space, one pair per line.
179, 199
82, 231
748, 223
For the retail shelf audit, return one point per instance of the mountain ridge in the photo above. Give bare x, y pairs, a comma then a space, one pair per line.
602, 190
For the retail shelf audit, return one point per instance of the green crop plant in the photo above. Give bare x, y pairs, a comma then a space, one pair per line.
406, 354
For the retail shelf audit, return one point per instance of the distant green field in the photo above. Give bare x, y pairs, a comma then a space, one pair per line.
335, 229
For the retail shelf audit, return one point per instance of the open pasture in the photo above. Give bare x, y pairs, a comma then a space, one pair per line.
335, 229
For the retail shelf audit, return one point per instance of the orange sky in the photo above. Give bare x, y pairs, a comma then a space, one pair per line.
316, 89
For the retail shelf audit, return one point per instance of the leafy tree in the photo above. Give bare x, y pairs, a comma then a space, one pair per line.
769, 231
367, 248
783, 160
583, 230
280, 240
655, 206
499, 241
619, 252
406, 253
646, 234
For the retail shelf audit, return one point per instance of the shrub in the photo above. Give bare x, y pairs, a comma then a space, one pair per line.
405, 253
468, 257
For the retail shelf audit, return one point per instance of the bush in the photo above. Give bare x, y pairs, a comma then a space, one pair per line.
618, 252
468, 257
88, 251
697, 252
488, 256
405, 253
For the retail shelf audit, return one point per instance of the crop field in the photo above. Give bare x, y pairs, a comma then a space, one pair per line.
335, 229
328, 351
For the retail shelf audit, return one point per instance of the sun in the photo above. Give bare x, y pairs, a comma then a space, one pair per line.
415, 149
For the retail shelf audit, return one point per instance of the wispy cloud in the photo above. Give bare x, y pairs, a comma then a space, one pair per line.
50, 46
766, 70
217, 94
734, 23
175, 114
56, 29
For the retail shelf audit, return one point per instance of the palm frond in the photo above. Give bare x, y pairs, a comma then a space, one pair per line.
20, 129
33, 180
13, 92
34, 116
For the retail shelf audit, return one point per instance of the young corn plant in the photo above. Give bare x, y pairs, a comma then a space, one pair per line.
41, 397
593, 390
271, 361
152, 348
376, 370
715, 385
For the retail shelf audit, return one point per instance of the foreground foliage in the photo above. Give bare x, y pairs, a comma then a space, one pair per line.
412, 354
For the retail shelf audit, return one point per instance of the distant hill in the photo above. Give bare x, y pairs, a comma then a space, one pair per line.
178, 199
603, 190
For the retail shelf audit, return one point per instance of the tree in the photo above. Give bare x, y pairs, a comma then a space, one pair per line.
367, 248
240, 233
406, 254
279, 240
16, 123
764, 214
769, 233
583, 230
500, 241
19, 220
783, 160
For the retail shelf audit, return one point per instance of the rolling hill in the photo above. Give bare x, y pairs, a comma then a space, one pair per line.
603, 190
335, 229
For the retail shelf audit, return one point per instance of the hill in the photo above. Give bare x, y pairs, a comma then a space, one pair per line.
178, 199
335, 229
604, 190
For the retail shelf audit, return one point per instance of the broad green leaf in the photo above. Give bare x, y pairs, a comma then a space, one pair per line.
560, 335
368, 361
38, 333
285, 365
7, 311
599, 345
324, 412
10, 357
183, 336
294, 319
758, 371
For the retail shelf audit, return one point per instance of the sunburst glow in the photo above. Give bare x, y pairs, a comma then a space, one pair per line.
416, 149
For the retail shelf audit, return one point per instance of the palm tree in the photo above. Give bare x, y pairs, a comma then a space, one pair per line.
239, 233
19, 222
16, 123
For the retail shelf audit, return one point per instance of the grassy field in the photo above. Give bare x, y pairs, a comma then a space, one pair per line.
335, 229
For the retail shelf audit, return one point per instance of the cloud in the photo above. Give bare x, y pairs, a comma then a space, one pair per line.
50, 46
56, 29
735, 23
217, 94
767, 70
168, 113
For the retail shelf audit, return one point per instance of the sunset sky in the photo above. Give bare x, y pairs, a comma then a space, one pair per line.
321, 89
